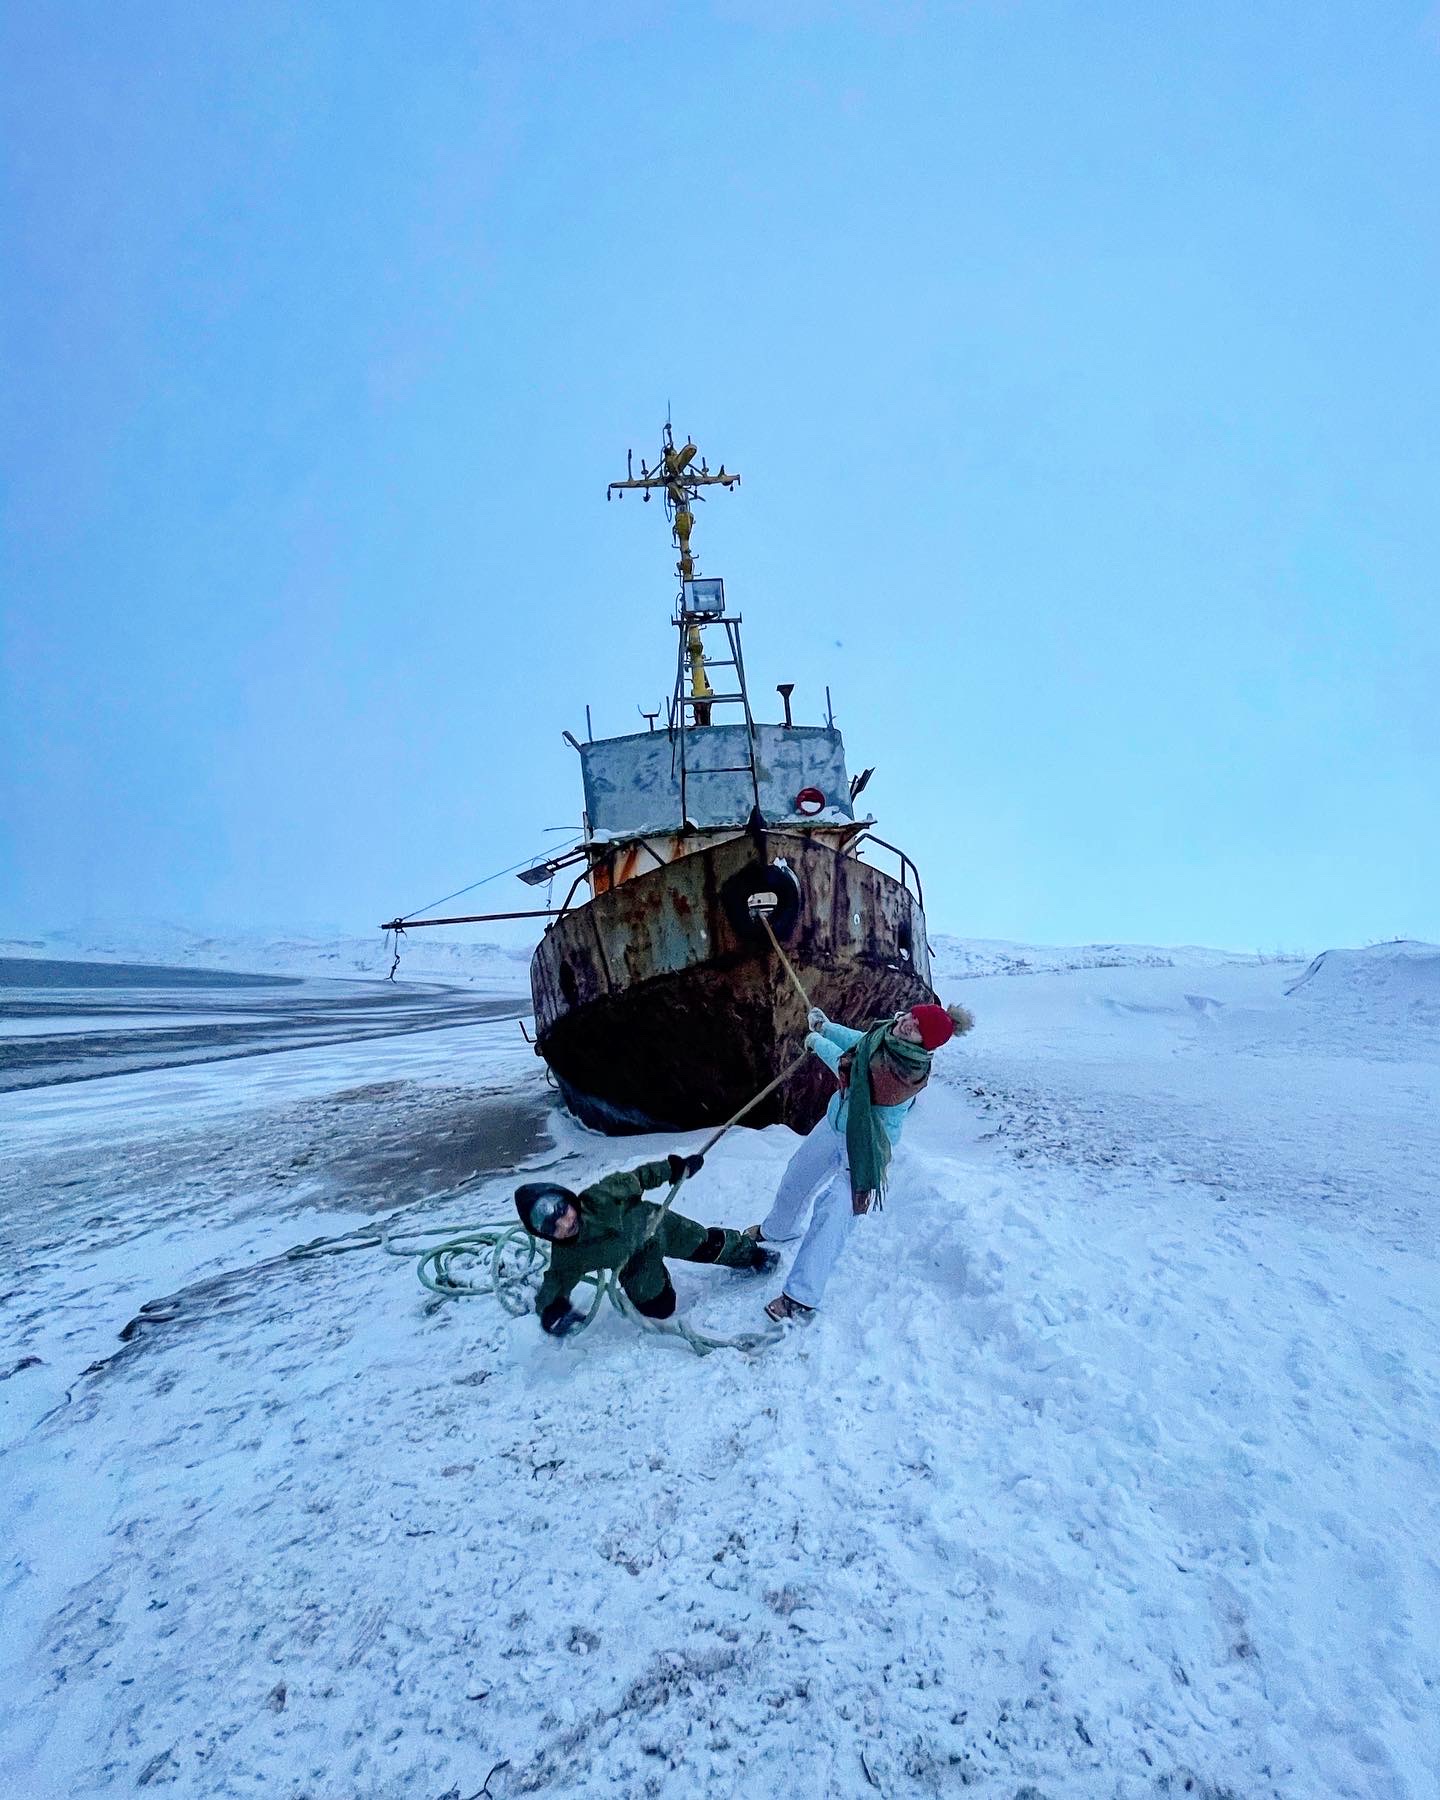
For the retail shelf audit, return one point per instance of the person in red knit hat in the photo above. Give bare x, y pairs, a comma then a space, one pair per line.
844, 1163
935, 1024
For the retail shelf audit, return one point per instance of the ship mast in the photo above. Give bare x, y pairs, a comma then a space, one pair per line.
677, 479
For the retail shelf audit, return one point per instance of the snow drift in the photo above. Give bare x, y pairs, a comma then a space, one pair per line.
1404, 972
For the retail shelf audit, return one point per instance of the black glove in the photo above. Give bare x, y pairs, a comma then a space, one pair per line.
559, 1317
684, 1165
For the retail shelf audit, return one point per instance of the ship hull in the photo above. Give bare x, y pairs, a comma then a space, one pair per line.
661, 1004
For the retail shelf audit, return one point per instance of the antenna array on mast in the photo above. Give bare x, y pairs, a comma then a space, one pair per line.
679, 481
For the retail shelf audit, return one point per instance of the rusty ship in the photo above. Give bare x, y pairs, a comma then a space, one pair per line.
660, 999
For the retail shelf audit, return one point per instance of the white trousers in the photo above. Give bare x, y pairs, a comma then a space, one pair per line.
819, 1168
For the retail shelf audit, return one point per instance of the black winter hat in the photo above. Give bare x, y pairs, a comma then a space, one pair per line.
540, 1204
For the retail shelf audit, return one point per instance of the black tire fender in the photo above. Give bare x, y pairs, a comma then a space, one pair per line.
754, 879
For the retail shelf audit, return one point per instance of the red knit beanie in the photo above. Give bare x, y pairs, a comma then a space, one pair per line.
936, 1025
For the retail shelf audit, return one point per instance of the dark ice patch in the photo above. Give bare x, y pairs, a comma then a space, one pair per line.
408, 1158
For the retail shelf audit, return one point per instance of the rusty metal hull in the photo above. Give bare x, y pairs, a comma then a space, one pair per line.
661, 1004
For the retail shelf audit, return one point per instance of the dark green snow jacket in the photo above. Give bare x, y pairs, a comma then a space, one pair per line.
614, 1223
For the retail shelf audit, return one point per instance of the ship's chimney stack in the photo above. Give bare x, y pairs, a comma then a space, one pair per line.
785, 689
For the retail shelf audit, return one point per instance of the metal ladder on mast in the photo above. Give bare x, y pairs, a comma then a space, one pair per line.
683, 705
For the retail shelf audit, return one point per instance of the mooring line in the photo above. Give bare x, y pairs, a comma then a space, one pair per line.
764, 918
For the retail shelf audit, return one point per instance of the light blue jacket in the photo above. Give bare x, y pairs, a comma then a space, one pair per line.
830, 1044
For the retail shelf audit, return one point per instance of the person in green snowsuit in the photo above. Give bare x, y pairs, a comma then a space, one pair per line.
609, 1225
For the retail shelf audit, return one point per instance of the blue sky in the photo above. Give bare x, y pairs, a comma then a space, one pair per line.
1080, 363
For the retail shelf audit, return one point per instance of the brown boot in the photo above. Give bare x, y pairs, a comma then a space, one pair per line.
754, 1233
782, 1309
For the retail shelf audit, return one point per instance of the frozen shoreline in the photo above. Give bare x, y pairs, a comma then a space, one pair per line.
82, 1022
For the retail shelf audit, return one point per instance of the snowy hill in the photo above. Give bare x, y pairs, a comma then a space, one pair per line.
957, 957
1107, 1469
448, 955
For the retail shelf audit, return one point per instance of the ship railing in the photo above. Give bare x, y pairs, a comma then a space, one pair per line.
908, 872
564, 907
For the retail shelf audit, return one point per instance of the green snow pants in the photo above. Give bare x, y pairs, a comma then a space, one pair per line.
644, 1278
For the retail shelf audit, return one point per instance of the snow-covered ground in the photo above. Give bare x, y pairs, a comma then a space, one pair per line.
1108, 1469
